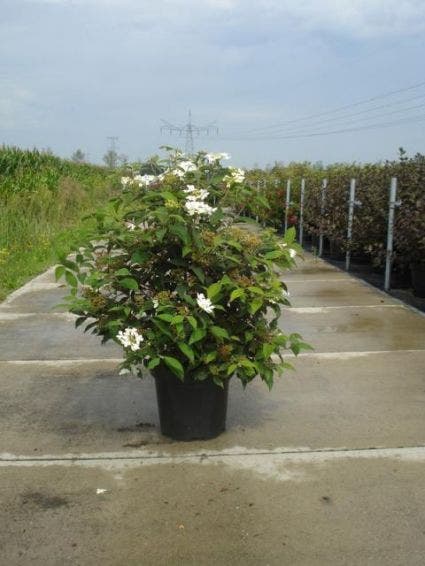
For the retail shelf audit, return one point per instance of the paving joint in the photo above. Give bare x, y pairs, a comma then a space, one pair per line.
417, 451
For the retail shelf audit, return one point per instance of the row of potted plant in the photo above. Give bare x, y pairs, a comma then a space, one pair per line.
370, 218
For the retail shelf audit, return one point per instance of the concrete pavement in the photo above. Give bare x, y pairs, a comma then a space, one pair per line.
327, 468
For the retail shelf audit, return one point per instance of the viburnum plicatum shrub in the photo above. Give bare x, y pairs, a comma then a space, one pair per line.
178, 283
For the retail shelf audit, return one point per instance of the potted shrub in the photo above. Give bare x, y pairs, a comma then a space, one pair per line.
192, 297
409, 232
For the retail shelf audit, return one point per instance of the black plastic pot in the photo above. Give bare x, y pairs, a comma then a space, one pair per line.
418, 278
190, 410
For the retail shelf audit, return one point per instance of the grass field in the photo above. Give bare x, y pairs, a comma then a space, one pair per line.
43, 201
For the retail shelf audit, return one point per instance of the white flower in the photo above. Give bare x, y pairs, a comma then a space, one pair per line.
204, 303
155, 303
125, 181
145, 180
212, 157
189, 189
130, 338
236, 176
285, 293
187, 166
197, 194
184, 167
292, 253
198, 207
130, 225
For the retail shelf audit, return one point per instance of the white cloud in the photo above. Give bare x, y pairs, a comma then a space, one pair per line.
358, 18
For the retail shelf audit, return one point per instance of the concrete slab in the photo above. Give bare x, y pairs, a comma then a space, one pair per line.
38, 299
334, 292
327, 403
357, 329
243, 510
314, 268
328, 468
49, 336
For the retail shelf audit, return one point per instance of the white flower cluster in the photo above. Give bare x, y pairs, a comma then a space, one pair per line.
204, 303
195, 194
236, 176
195, 201
141, 180
130, 338
126, 180
145, 180
183, 168
198, 207
213, 157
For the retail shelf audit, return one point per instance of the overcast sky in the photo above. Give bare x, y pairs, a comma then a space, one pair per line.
271, 73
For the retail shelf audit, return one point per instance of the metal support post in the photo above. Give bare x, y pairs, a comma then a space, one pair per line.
287, 201
322, 212
390, 235
352, 202
258, 192
302, 196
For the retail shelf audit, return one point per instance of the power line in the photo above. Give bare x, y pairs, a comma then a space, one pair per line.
344, 117
334, 110
376, 126
341, 121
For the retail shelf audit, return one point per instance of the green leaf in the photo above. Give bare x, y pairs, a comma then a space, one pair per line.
199, 273
290, 235
268, 349
197, 335
163, 328
180, 231
71, 279
192, 321
236, 294
187, 351
167, 195
59, 272
256, 290
231, 369
211, 356
139, 257
159, 234
129, 283
219, 332
255, 305
154, 362
214, 289
178, 319
175, 366
165, 316
122, 271
275, 254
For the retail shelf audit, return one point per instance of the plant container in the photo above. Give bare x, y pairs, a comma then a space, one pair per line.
190, 410
418, 278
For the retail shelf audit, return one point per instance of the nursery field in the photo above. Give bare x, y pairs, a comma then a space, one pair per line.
43, 200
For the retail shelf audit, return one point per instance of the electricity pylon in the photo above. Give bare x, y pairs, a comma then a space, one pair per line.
189, 130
